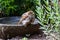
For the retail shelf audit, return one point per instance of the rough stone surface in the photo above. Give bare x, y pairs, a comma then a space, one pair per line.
13, 30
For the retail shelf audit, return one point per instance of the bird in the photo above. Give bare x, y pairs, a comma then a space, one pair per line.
27, 18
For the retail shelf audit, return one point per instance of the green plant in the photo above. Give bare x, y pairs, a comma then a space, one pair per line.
47, 13
16, 7
7, 6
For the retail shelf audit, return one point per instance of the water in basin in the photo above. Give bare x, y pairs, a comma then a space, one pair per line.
9, 20
13, 20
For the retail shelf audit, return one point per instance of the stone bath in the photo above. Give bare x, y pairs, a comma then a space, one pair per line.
9, 27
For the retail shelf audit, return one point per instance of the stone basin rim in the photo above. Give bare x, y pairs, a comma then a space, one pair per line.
12, 25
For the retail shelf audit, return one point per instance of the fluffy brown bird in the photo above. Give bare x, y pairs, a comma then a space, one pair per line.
27, 18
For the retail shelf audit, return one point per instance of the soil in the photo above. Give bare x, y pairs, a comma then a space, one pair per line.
32, 37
